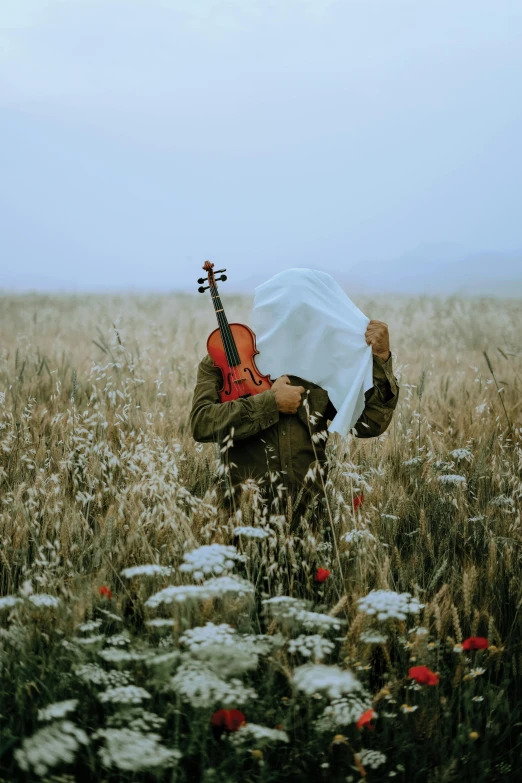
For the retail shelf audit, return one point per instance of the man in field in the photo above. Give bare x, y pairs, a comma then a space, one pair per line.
304, 322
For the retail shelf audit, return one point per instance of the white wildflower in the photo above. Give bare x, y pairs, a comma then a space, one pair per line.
115, 655
371, 758
476, 519
283, 607
135, 718
57, 710
462, 454
161, 622
451, 478
177, 594
344, 711
502, 500
212, 588
225, 585
210, 559
92, 625
373, 637
119, 640
420, 631
441, 464
8, 601
55, 744
110, 615
222, 649
27, 588
316, 621
86, 640
261, 734
387, 604
330, 680
131, 750
147, 570
413, 461
117, 679
324, 546
42, 599
199, 685
207, 635
94, 674
315, 646
162, 658
251, 532
389, 516
124, 694
477, 672
477, 698
409, 708
354, 537
91, 672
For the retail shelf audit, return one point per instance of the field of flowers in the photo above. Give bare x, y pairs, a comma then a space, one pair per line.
147, 635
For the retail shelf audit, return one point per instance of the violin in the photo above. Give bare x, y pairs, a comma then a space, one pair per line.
232, 347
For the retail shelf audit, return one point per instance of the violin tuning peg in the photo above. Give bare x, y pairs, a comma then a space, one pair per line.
223, 277
203, 288
202, 280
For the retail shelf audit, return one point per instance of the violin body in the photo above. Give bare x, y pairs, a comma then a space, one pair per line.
240, 380
232, 347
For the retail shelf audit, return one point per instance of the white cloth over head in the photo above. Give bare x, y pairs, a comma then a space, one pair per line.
306, 325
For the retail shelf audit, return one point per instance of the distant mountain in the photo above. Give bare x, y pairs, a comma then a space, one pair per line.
443, 270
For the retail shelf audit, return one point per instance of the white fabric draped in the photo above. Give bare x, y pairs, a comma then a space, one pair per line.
306, 325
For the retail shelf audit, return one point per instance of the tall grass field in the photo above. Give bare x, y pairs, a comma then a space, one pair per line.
148, 635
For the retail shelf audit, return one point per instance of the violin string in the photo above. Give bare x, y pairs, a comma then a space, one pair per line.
226, 345
234, 372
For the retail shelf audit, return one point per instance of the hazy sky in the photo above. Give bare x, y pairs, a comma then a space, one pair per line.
140, 137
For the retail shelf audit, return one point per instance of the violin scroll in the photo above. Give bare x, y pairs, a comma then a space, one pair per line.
211, 277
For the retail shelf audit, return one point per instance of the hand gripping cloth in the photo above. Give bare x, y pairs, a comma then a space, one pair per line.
306, 325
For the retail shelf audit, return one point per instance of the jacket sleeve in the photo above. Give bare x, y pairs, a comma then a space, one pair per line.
380, 401
211, 420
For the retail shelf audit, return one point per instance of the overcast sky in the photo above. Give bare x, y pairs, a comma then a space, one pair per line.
141, 137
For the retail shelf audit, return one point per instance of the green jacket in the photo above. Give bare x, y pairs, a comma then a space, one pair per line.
265, 439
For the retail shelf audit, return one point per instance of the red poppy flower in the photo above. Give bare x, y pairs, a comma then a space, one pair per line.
423, 675
230, 720
104, 592
358, 501
475, 643
365, 720
322, 575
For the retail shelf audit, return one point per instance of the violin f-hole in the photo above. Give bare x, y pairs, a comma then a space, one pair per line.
229, 389
257, 383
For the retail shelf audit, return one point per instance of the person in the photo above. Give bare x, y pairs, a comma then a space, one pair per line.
305, 323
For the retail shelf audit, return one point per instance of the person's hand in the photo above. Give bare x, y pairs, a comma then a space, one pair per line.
288, 397
377, 336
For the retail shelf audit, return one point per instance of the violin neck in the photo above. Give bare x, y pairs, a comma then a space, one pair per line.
226, 335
